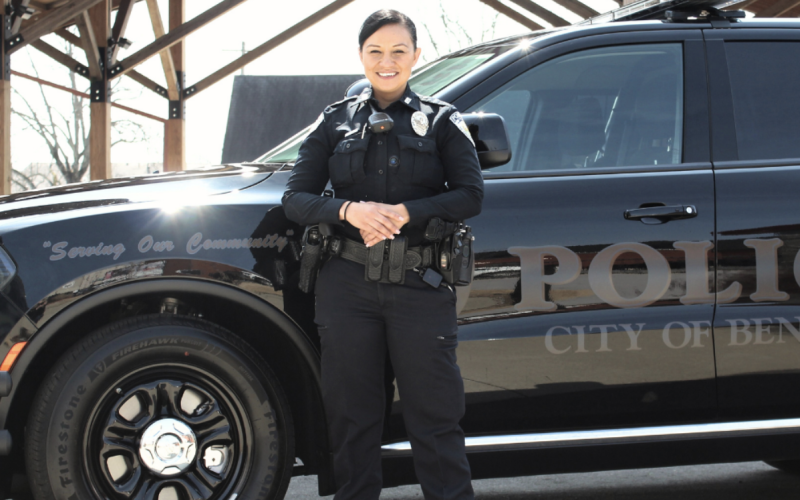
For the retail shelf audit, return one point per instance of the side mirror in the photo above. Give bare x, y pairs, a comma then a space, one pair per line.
489, 133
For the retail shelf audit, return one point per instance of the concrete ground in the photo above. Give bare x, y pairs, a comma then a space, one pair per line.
745, 481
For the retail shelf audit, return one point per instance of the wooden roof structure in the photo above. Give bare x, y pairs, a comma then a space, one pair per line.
25, 22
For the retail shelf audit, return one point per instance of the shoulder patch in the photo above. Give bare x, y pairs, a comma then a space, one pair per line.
432, 100
333, 106
458, 120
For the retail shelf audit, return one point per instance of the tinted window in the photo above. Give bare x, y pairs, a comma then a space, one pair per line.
605, 107
765, 81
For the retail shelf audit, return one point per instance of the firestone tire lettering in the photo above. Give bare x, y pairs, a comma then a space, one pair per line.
62, 439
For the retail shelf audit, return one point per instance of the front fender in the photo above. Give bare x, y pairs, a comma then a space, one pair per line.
60, 317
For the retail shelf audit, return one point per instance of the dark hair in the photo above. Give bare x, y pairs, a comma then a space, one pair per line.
381, 18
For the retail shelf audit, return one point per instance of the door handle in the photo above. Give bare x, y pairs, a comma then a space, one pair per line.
660, 215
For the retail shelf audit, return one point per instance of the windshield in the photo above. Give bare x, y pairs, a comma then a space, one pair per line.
427, 80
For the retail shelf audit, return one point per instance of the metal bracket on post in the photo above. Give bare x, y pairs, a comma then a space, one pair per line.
177, 109
82, 70
99, 91
113, 70
100, 88
7, 20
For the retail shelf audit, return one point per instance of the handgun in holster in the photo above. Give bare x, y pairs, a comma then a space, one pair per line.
317, 242
453, 244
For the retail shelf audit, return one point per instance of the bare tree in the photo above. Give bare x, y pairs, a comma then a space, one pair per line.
67, 136
458, 36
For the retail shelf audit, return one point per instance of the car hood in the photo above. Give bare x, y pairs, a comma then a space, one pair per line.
194, 184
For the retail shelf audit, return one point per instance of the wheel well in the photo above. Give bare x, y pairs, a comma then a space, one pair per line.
250, 318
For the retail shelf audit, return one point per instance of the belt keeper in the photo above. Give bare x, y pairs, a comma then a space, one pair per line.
374, 266
397, 260
427, 256
335, 245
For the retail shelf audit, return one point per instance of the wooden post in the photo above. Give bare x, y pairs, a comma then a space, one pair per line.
175, 129
100, 134
5, 110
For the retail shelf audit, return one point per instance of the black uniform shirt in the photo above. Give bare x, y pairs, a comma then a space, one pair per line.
435, 174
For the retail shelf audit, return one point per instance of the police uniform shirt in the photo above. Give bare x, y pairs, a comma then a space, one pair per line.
435, 174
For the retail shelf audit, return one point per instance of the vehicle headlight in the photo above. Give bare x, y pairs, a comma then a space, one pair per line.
7, 268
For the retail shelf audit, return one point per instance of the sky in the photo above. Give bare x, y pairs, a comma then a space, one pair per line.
329, 47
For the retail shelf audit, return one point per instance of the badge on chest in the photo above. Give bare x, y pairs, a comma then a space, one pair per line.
419, 122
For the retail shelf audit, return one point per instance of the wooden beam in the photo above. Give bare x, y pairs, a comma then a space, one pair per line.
68, 36
175, 145
743, 5
120, 24
173, 37
48, 24
147, 83
100, 141
166, 54
175, 128
5, 115
61, 57
86, 96
100, 16
72, 63
177, 16
778, 8
264, 48
513, 14
544, 14
578, 7
100, 100
89, 44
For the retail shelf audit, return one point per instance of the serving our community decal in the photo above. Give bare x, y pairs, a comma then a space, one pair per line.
148, 244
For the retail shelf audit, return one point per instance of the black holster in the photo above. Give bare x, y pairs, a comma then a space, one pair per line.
311, 258
453, 241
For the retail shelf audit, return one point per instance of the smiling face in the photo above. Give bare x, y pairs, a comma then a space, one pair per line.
388, 57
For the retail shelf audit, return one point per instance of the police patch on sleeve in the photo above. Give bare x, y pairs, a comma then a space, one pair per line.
458, 120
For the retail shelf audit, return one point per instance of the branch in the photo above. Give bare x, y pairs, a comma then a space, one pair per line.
433, 42
22, 180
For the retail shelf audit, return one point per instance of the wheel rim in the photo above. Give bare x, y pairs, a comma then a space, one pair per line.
167, 434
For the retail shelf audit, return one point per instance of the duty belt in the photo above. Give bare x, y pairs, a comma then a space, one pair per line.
387, 261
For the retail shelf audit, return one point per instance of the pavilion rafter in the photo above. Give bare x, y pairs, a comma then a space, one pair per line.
173, 37
74, 40
513, 14
47, 24
166, 55
578, 8
89, 43
265, 47
779, 8
542, 13
120, 25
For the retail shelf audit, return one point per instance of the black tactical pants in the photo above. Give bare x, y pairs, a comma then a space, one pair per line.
358, 321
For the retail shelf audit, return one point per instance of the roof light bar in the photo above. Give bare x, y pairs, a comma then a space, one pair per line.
655, 9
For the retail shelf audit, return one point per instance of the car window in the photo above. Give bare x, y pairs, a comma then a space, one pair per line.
605, 107
427, 80
765, 84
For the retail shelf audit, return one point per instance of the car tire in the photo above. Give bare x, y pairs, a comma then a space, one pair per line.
160, 407
790, 466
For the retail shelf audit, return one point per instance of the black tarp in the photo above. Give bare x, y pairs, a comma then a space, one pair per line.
267, 110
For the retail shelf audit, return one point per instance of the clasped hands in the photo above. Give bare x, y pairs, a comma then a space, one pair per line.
375, 221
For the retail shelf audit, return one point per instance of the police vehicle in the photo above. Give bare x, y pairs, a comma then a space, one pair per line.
635, 302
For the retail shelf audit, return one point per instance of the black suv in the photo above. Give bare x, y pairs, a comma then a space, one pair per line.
635, 303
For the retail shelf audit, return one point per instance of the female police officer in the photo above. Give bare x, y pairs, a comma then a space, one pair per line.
388, 185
